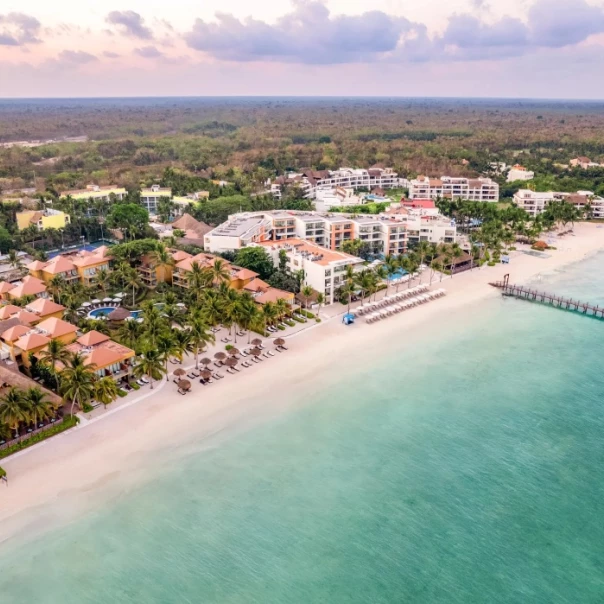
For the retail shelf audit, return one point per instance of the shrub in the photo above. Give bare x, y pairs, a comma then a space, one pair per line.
68, 422
135, 386
491, 263
228, 347
512, 248
122, 393
290, 323
307, 314
317, 320
298, 319
2, 472
87, 408
281, 327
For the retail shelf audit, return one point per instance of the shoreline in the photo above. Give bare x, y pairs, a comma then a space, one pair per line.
104, 456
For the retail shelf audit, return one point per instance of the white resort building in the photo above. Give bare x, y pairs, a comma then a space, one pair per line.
324, 269
535, 202
449, 187
519, 172
312, 181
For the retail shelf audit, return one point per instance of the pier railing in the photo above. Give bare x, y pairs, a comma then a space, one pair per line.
526, 293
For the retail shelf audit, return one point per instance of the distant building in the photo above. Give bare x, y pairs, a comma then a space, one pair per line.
535, 202
96, 193
42, 219
519, 172
151, 196
450, 187
584, 163
313, 181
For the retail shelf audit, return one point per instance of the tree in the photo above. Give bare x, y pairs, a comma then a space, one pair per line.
77, 382
56, 286
320, 302
130, 218
129, 333
306, 292
200, 335
166, 346
162, 260
13, 409
56, 352
134, 281
220, 272
255, 259
39, 406
151, 364
105, 390
182, 343
101, 279
6, 240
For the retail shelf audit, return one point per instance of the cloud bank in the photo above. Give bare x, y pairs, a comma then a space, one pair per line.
130, 23
18, 29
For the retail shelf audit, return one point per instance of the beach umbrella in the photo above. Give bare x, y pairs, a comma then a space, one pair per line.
180, 305
220, 356
206, 374
119, 300
256, 352
234, 352
180, 371
279, 342
184, 385
256, 342
107, 300
206, 361
231, 362
96, 301
86, 304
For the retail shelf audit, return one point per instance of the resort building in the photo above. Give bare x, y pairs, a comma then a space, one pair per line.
423, 222
194, 230
312, 181
22, 341
262, 293
518, 172
340, 197
584, 163
152, 273
81, 266
449, 187
28, 286
151, 196
34, 312
109, 358
323, 269
11, 377
241, 230
535, 202
238, 277
42, 219
97, 193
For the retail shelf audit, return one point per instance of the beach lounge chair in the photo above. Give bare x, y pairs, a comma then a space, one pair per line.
230, 371
217, 376
181, 391
270, 353
141, 383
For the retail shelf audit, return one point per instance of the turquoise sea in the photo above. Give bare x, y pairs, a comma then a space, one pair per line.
464, 464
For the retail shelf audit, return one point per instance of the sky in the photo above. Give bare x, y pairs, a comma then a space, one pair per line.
459, 48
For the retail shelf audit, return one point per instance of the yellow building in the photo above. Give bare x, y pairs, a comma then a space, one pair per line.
238, 277
42, 219
82, 266
96, 193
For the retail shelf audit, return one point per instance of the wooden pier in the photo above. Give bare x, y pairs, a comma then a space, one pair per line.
533, 295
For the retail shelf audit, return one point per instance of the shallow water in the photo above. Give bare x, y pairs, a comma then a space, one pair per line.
465, 466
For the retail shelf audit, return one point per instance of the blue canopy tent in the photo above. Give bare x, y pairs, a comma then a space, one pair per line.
348, 319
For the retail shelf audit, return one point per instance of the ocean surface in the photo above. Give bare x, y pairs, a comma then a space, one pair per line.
462, 464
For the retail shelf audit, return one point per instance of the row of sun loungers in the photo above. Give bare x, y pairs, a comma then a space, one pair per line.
404, 305
394, 298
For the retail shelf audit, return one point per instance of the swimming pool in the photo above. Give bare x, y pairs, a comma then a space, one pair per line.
100, 313
88, 247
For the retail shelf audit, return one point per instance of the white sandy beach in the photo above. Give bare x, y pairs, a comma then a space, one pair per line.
111, 449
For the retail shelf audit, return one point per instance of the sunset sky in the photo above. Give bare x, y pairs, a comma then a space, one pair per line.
511, 48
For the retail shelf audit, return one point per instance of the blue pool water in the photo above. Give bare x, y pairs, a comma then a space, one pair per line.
88, 247
97, 313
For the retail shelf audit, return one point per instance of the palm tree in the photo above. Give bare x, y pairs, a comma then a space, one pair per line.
56, 286
320, 302
55, 352
435, 266
162, 259
102, 279
269, 312
133, 280
129, 333
182, 343
13, 410
77, 382
347, 290
39, 406
282, 307
151, 364
381, 273
166, 346
220, 273
307, 291
423, 248
200, 336
105, 390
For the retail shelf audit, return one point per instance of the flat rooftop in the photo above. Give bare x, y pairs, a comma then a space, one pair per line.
312, 252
